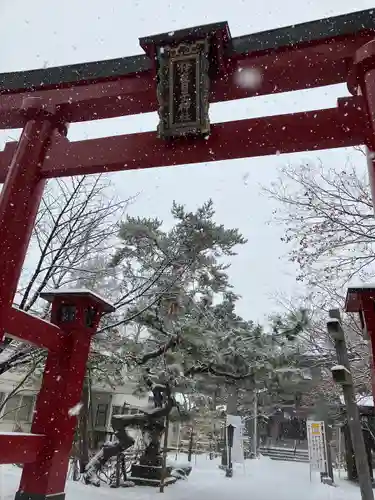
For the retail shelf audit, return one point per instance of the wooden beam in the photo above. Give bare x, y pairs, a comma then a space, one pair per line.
33, 330
307, 131
344, 126
19, 448
119, 92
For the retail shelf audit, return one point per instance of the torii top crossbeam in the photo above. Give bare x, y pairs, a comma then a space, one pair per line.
297, 57
303, 56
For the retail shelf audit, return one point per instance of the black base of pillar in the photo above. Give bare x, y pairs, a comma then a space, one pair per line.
23, 495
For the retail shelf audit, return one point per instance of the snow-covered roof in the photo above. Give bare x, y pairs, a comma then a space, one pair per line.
337, 368
362, 286
107, 306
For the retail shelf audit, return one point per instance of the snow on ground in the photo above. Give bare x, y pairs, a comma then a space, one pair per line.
262, 479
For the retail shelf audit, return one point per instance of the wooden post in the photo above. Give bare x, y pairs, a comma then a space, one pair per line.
165, 453
178, 442
191, 441
343, 376
21, 196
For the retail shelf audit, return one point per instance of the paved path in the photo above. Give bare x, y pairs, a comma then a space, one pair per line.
263, 479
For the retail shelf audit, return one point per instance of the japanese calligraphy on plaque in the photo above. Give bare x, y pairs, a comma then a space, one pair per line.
183, 90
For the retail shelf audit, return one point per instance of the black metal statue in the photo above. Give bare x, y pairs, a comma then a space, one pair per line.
151, 423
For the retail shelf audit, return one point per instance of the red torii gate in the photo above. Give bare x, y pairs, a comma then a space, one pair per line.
179, 75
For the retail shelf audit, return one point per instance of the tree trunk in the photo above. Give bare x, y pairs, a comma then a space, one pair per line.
165, 453
213, 421
191, 441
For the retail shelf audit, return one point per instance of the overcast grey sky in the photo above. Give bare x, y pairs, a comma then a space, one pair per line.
49, 33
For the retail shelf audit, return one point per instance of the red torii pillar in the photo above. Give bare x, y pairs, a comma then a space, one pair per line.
21, 196
361, 299
361, 81
45, 452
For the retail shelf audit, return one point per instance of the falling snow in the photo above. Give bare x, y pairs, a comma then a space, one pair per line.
250, 78
75, 410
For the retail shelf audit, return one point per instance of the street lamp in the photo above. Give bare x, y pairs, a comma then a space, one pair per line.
230, 434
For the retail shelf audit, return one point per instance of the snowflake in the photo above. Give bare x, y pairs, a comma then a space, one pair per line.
75, 410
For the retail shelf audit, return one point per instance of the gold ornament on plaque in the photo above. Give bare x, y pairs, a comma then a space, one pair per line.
183, 90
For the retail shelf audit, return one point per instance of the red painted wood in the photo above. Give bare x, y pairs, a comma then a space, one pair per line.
321, 129
6, 158
292, 69
313, 130
369, 93
371, 172
19, 448
19, 202
34, 330
129, 95
362, 78
372, 360
363, 300
60, 393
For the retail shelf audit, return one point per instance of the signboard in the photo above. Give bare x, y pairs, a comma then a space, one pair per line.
316, 438
237, 449
183, 87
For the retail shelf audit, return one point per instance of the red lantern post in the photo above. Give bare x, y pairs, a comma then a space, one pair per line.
77, 313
